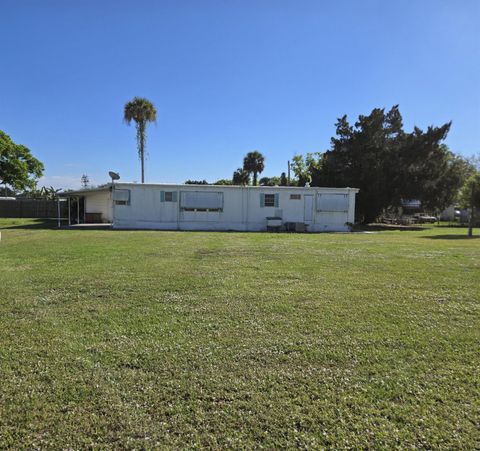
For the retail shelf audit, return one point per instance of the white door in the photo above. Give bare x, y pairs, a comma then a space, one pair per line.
168, 206
308, 207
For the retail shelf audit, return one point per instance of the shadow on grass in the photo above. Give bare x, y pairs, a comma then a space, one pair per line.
386, 227
5, 223
452, 225
451, 237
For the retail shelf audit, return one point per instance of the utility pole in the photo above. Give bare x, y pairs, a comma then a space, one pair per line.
85, 181
288, 172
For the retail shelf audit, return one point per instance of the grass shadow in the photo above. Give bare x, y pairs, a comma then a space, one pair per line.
451, 237
387, 227
452, 225
28, 224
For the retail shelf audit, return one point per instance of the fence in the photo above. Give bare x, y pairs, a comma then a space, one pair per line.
32, 208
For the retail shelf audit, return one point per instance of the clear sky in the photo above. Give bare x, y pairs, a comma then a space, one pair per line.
227, 77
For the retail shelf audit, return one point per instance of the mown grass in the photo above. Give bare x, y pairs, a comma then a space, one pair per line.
237, 340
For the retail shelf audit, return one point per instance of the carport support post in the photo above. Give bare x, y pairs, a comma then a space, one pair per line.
69, 219
78, 209
58, 212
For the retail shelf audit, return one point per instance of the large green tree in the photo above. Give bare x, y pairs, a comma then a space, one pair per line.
196, 182
388, 164
470, 198
141, 111
305, 168
19, 169
270, 181
254, 163
365, 156
223, 182
445, 179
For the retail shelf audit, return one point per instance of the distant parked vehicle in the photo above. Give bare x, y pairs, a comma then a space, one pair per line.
422, 218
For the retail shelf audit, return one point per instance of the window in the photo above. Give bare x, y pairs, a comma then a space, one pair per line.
268, 200
201, 201
121, 196
168, 196
295, 196
332, 202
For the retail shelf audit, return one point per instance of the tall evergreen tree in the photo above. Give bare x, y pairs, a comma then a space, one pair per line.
361, 156
390, 165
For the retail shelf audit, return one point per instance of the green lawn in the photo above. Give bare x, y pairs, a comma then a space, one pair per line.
135, 339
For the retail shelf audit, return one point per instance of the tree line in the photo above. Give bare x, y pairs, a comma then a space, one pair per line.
253, 165
387, 164
374, 154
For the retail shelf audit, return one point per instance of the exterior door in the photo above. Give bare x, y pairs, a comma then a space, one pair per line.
308, 207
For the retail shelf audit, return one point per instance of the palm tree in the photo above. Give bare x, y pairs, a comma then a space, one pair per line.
254, 163
141, 111
240, 177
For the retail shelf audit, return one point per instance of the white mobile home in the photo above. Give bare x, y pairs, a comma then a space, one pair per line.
218, 207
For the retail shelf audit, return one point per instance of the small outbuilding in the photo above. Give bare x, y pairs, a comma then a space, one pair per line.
216, 207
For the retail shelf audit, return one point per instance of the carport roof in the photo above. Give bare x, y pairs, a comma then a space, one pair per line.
86, 191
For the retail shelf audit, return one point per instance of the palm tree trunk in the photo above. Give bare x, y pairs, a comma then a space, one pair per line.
254, 179
141, 147
142, 151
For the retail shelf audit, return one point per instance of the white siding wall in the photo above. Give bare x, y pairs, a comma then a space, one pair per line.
99, 202
242, 209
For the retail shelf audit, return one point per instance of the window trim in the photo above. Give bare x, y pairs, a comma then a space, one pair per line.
269, 200
263, 203
173, 194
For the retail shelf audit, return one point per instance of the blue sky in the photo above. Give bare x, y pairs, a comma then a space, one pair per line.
227, 77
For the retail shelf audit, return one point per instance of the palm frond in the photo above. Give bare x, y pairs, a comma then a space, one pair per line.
138, 110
